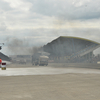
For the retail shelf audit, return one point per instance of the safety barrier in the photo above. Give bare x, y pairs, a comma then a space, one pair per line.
3, 66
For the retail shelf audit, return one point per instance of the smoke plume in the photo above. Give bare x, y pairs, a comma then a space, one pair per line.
21, 47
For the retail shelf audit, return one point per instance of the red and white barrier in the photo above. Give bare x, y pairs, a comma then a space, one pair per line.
3, 66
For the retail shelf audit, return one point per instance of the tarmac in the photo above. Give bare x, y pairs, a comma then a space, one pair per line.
46, 71
26, 82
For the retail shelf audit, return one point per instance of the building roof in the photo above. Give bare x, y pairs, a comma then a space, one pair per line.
73, 45
78, 38
4, 57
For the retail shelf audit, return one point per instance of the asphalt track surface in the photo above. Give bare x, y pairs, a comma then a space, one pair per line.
53, 82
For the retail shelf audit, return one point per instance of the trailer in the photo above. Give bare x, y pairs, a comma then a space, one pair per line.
40, 60
43, 60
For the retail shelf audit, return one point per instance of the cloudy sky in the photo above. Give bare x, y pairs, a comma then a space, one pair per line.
37, 22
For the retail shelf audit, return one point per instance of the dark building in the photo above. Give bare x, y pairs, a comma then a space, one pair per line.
71, 47
4, 57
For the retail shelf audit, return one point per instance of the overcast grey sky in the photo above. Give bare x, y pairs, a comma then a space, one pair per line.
38, 22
